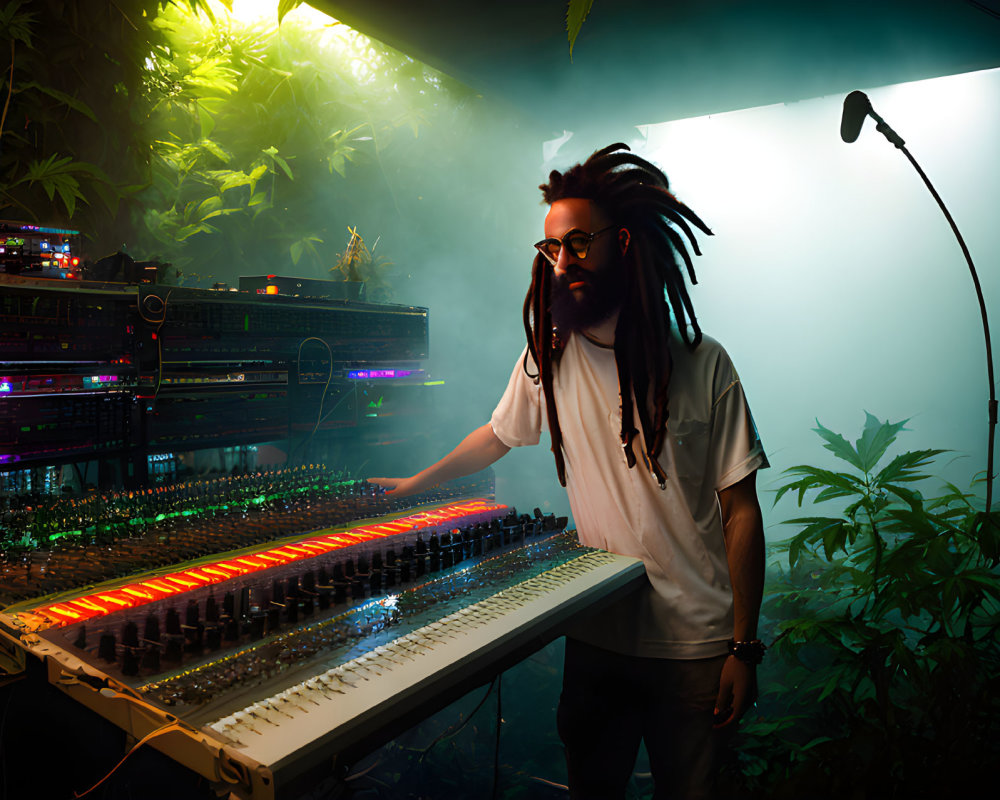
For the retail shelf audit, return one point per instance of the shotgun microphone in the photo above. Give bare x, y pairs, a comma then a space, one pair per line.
857, 106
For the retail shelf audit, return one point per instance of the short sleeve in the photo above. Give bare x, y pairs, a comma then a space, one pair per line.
736, 449
517, 419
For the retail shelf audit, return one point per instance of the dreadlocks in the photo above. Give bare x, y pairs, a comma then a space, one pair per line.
634, 194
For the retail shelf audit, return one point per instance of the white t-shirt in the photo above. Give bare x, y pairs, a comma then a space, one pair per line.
685, 612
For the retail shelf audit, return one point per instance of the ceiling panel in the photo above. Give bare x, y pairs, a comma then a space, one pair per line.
637, 61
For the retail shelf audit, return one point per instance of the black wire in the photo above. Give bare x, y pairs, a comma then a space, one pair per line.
448, 734
991, 382
984, 8
304, 444
3, 750
496, 746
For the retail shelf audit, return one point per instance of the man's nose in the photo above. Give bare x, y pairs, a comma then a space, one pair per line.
563, 261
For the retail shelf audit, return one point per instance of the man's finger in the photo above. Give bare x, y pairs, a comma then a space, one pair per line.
724, 701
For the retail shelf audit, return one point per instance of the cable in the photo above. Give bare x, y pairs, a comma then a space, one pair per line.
992, 405
897, 141
3, 750
148, 737
159, 324
984, 8
322, 399
496, 746
447, 734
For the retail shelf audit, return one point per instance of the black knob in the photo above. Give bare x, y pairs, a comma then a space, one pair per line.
211, 610
173, 625
106, 647
130, 635
152, 632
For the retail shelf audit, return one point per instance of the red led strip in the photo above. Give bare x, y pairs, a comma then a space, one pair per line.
176, 583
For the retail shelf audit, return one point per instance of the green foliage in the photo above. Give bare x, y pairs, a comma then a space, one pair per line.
576, 14
189, 136
885, 654
68, 140
270, 126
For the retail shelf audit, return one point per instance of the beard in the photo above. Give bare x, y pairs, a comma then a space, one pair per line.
600, 296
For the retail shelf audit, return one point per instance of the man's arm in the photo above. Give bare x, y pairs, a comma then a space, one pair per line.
477, 451
743, 527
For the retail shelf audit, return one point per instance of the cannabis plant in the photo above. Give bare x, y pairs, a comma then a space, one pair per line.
883, 678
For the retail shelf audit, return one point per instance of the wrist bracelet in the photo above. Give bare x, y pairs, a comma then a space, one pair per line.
751, 652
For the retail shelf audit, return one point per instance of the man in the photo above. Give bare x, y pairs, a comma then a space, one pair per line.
654, 441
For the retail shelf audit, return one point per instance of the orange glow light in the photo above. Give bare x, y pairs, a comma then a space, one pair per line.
138, 594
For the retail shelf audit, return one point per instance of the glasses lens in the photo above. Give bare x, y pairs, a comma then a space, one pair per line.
578, 243
550, 249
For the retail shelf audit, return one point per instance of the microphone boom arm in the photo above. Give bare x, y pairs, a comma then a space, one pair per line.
893, 137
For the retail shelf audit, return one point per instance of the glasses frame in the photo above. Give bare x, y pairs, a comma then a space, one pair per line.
540, 246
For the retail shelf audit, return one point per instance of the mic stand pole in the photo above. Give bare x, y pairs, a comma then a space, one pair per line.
893, 137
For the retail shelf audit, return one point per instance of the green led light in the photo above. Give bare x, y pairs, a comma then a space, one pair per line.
433, 383
54, 536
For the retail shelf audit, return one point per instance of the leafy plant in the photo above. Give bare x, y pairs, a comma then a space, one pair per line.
358, 263
576, 15
287, 127
884, 675
70, 147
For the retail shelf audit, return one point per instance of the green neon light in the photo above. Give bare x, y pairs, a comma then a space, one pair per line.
258, 500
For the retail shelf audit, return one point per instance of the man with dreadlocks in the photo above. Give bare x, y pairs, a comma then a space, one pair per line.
655, 443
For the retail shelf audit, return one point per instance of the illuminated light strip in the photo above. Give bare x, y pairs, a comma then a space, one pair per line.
138, 594
63, 611
165, 590
213, 570
107, 598
177, 579
291, 556
89, 604
322, 547
253, 566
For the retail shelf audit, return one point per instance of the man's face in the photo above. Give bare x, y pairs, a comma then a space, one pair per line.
585, 291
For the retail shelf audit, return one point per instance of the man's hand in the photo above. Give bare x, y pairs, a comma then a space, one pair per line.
399, 487
477, 451
737, 692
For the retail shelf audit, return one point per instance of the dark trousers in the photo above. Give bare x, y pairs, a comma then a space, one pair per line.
611, 702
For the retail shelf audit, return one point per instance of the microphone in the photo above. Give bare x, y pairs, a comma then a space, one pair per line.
857, 106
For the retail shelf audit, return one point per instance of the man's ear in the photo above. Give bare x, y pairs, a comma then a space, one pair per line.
624, 237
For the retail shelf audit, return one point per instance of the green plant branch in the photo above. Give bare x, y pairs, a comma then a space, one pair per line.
10, 90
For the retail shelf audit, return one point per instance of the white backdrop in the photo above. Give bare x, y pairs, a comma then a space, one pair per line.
833, 279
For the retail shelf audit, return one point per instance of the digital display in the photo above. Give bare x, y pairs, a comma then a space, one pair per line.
372, 374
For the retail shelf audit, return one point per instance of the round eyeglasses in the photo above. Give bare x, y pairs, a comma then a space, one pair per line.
577, 241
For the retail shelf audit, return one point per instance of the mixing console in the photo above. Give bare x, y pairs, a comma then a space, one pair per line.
222, 659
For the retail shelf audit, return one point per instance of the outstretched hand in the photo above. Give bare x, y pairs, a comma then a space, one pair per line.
397, 486
737, 692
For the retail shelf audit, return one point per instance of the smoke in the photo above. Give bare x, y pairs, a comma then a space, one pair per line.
833, 280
